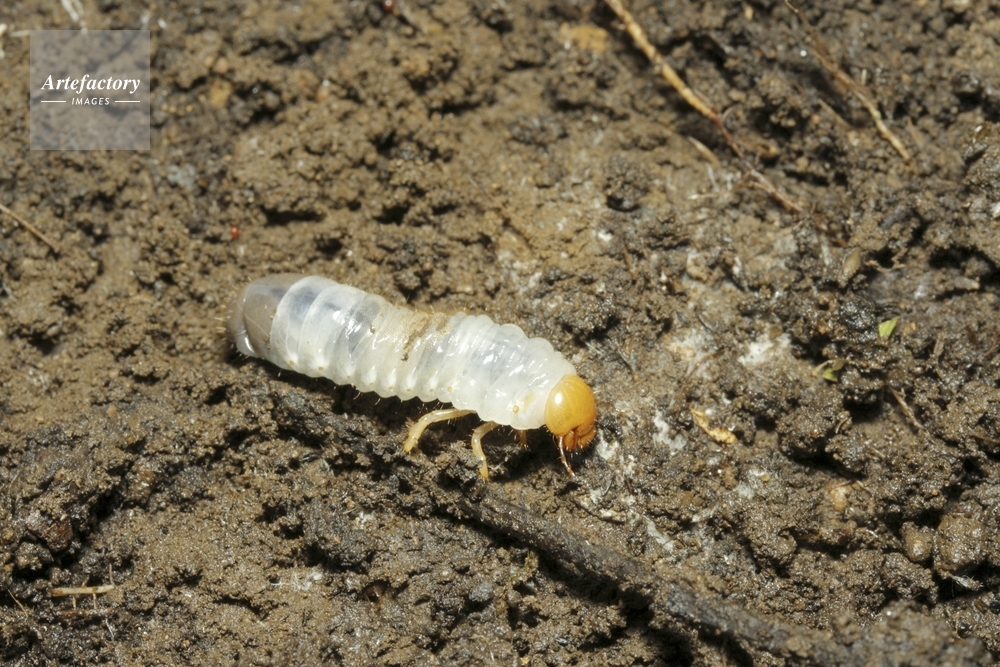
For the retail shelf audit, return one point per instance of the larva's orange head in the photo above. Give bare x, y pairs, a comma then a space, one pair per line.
570, 413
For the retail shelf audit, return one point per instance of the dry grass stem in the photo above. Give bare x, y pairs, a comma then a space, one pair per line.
855, 88
700, 105
18, 603
31, 228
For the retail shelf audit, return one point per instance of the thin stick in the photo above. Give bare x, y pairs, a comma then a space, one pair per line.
669, 597
698, 102
18, 603
906, 409
668, 72
853, 87
31, 228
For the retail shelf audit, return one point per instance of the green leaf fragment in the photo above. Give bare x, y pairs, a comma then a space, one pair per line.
828, 369
886, 328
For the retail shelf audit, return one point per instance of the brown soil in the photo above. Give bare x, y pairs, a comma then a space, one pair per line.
520, 160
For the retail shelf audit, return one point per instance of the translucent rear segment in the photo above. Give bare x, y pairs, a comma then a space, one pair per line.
253, 309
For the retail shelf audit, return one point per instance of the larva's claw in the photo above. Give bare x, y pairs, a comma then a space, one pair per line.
522, 438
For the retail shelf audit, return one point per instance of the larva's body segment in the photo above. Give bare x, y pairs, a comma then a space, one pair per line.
321, 328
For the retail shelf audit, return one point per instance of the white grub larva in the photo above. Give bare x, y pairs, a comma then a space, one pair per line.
321, 328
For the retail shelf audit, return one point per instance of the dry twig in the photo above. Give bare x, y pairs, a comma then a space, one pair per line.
18, 603
638, 35
855, 88
31, 228
906, 409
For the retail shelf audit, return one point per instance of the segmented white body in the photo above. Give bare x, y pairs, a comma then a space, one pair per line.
321, 328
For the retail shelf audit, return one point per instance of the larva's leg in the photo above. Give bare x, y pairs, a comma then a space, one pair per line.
522, 437
477, 446
562, 457
432, 417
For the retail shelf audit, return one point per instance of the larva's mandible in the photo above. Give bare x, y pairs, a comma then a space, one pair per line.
321, 328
